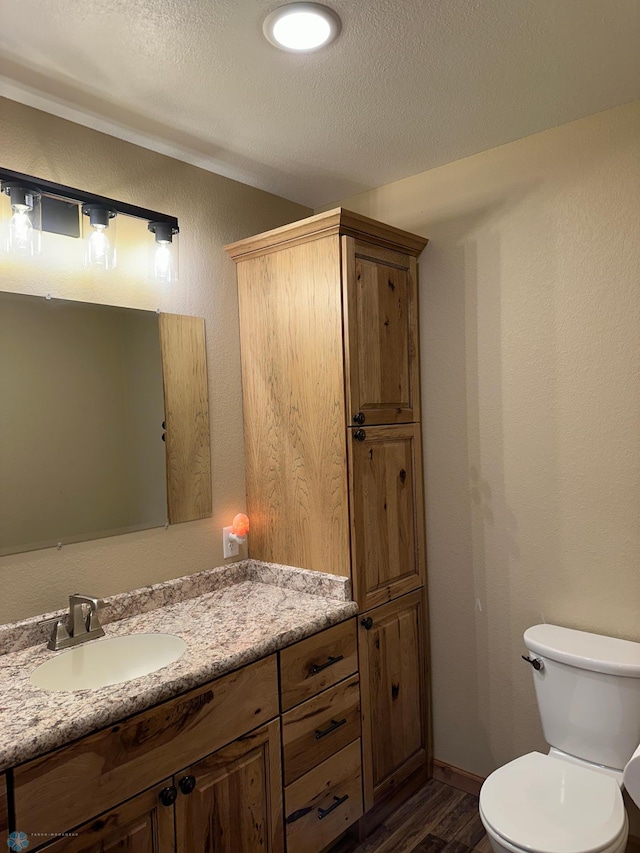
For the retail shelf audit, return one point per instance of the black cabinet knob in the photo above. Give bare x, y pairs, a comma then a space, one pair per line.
168, 796
187, 784
359, 435
367, 623
358, 418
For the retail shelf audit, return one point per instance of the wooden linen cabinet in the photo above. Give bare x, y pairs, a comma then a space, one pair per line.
331, 389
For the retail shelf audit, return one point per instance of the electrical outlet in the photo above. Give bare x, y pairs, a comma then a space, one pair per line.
229, 547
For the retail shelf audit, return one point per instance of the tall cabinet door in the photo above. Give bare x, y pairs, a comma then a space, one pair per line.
393, 694
232, 800
387, 530
381, 334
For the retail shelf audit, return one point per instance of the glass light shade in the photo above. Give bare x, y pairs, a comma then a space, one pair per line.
163, 255
301, 27
22, 223
99, 236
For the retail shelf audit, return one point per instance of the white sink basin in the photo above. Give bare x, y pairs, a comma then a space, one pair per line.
111, 660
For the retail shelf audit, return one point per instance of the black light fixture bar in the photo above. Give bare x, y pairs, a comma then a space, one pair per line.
49, 188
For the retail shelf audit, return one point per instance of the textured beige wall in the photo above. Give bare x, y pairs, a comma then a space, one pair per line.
212, 211
530, 339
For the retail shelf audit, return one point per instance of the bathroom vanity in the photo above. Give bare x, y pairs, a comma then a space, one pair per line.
295, 713
267, 753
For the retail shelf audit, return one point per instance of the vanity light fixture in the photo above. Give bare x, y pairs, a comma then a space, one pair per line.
38, 205
301, 27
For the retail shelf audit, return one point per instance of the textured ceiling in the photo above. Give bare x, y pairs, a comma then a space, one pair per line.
408, 85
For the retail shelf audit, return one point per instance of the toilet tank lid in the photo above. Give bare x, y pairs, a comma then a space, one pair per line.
584, 650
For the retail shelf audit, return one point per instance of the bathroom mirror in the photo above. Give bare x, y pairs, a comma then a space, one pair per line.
104, 424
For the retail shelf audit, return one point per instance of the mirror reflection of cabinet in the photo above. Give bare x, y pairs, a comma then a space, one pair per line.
186, 403
87, 393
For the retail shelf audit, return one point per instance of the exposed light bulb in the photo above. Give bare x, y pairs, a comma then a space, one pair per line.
100, 253
163, 266
99, 246
163, 260
20, 231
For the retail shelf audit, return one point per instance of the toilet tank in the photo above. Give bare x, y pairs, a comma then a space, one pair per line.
588, 693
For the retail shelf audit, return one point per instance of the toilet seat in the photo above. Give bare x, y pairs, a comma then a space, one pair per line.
542, 804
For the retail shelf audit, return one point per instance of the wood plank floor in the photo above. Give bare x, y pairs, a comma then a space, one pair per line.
438, 819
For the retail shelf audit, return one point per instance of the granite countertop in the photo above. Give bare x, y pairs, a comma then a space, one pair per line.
229, 617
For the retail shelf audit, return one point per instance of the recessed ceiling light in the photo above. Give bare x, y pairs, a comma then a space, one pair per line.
301, 27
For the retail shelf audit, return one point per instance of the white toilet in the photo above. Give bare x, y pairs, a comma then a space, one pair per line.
569, 801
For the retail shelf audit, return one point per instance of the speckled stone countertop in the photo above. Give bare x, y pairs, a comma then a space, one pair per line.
228, 617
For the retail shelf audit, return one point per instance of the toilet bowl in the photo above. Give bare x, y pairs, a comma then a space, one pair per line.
570, 801
544, 804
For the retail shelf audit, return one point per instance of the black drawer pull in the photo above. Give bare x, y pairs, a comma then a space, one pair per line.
294, 816
360, 435
335, 724
318, 667
337, 801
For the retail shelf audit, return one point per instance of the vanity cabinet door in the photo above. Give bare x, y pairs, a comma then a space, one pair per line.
393, 694
141, 825
381, 334
4, 813
232, 800
387, 527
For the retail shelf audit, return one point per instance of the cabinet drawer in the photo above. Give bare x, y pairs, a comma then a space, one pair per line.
319, 727
316, 663
324, 802
71, 785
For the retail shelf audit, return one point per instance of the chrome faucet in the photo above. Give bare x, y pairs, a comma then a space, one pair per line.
80, 626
